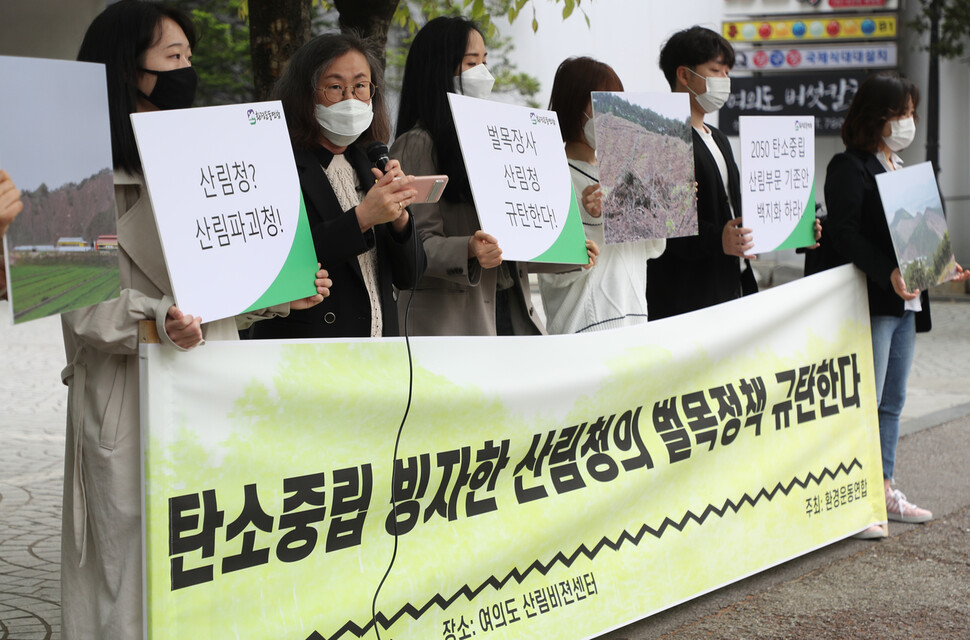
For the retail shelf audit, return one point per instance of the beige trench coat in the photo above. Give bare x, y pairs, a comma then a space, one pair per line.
101, 559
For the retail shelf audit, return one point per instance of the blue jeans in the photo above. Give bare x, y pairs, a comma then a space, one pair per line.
893, 342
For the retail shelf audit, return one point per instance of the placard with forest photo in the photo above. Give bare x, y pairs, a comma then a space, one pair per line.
645, 151
917, 224
55, 142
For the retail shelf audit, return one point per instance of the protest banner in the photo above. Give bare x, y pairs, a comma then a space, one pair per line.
778, 181
520, 181
645, 151
914, 212
560, 487
62, 251
228, 206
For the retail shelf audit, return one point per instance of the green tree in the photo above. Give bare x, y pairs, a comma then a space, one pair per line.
946, 23
277, 25
223, 52
951, 20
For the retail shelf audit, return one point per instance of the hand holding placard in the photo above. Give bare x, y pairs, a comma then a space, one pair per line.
484, 248
323, 284
737, 240
10, 204
184, 330
593, 200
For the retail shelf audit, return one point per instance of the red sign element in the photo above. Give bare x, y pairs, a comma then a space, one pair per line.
846, 4
760, 58
794, 58
833, 28
764, 30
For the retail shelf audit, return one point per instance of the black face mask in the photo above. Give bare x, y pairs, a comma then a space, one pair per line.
174, 89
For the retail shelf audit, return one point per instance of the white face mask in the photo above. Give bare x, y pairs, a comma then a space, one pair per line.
476, 82
902, 133
717, 93
589, 132
344, 121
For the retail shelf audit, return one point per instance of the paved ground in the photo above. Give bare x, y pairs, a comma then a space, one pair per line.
912, 585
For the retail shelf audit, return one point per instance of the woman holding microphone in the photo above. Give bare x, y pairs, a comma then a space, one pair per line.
362, 230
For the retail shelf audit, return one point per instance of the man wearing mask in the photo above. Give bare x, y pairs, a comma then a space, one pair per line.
712, 267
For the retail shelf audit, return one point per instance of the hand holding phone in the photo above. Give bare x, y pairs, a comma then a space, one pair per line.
429, 188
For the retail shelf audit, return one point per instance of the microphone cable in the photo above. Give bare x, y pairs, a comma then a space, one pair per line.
407, 409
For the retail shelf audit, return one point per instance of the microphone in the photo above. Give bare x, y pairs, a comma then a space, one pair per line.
377, 153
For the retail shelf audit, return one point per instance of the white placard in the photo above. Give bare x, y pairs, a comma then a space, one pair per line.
777, 180
228, 206
520, 180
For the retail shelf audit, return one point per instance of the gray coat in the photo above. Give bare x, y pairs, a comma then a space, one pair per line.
456, 296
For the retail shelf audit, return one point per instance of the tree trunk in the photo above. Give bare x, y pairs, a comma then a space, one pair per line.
277, 28
370, 19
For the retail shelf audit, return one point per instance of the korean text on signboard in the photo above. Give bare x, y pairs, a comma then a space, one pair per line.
826, 97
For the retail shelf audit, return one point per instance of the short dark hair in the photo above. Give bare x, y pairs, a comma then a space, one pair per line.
692, 47
118, 38
575, 79
435, 54
296, 88
882, 96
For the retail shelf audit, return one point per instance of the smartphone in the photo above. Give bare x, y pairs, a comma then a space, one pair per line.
429, 188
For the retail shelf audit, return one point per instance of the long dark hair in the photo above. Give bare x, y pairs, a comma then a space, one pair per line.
436, 52
296, 88
118, 38
881, 96
575, 79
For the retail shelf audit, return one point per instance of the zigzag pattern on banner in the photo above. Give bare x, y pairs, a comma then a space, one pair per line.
614, 545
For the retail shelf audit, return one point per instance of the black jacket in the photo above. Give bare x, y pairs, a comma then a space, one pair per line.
338, 241
857, 231
694, 272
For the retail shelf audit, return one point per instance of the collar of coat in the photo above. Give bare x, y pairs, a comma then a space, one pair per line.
138, 232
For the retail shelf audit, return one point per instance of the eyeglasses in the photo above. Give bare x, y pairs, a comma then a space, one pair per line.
363, 91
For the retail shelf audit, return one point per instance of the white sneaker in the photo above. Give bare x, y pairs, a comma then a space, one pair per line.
873, 532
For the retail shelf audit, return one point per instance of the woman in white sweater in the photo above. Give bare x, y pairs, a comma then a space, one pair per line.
614, 293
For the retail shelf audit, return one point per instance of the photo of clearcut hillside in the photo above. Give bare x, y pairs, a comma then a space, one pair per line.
646, 163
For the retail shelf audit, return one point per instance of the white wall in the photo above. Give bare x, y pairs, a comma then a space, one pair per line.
45, 28
626, 34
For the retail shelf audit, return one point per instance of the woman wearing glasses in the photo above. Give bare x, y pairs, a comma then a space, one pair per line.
361, 228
